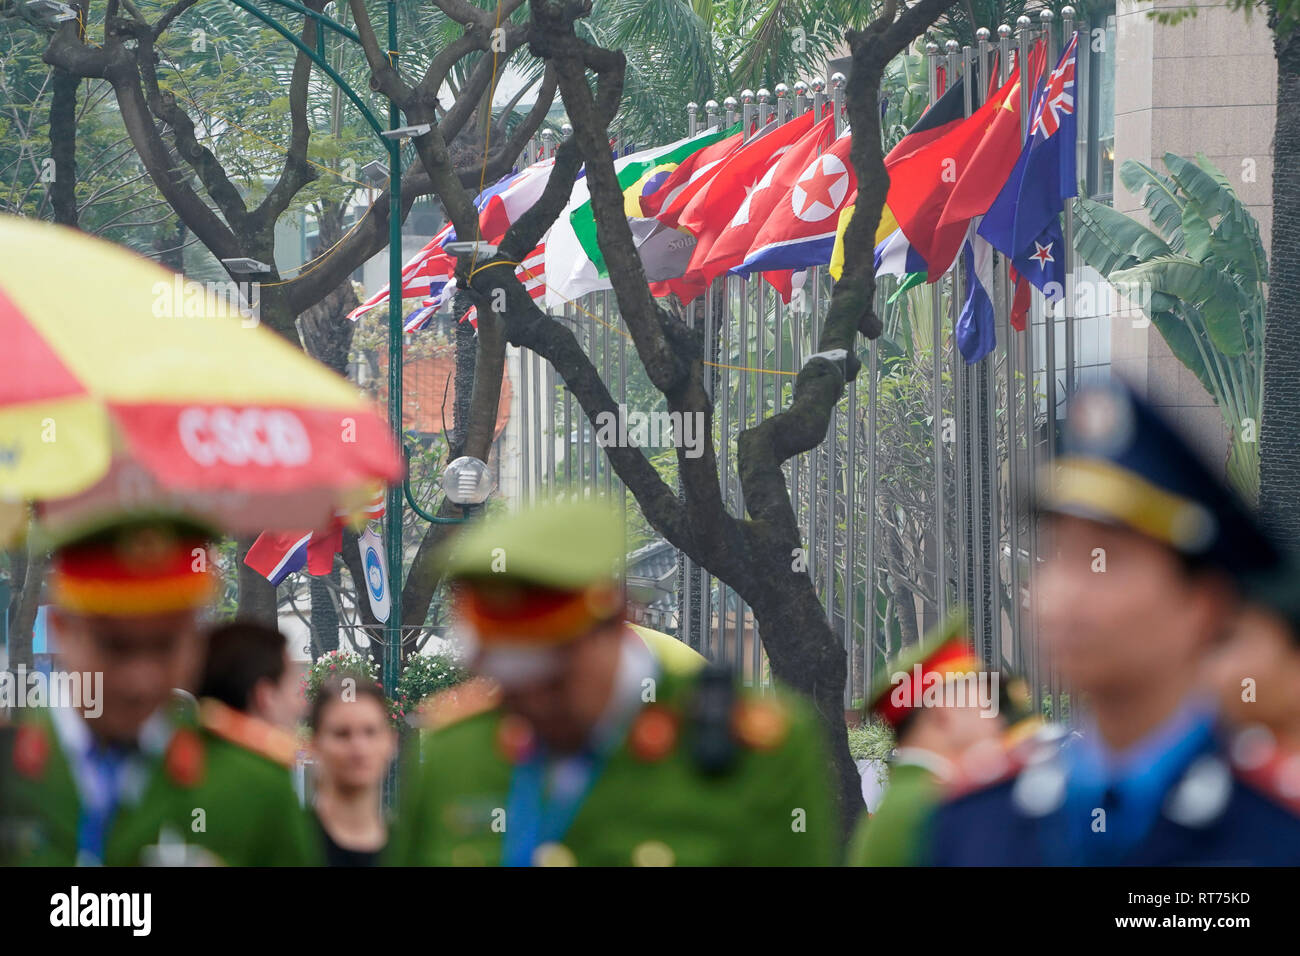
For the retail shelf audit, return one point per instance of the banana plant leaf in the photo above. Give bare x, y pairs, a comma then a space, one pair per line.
1109, 240
1159, 196
1200, 187
1198, 273
1236, 237
1182, 342
1238, 247
1196, 232
1209, 289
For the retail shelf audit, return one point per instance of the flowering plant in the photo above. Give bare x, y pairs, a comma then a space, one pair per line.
424, 676
338, 664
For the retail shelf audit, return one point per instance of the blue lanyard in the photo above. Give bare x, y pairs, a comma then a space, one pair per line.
93, 826
531, 818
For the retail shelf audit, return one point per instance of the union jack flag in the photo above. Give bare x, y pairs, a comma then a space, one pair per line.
1058, 97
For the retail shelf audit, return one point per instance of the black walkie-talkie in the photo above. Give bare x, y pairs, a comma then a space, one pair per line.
712, 745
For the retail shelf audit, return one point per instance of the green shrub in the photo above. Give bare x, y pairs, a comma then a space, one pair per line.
871, 741
424, 676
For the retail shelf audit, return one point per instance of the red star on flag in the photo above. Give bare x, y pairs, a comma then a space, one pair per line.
1043, 253
817, 185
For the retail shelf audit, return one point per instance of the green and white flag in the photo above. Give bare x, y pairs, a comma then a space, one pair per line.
574, 265
630, 169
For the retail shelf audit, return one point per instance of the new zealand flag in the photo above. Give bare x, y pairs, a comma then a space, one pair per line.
1024, 221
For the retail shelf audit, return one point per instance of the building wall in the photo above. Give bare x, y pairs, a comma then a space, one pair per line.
1205, 85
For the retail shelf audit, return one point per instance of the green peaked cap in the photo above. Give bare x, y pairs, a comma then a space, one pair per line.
561, 544
954, 629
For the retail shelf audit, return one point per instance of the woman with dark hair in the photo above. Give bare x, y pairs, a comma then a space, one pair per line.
353, 742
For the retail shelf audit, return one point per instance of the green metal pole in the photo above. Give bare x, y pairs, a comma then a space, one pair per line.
314, 55
393, 511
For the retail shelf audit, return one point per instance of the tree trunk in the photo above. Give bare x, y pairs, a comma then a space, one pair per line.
63, 146
466, 357
807, 657
29, 568
1279, 449
327, 337
752, 555
904, 598
326, 331
324, 615
257, 598
470, 406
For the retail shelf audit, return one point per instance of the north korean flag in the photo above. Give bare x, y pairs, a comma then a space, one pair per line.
770, 199
799, 230
277, 554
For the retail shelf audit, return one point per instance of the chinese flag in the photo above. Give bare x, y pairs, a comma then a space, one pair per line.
986, 171
922, 182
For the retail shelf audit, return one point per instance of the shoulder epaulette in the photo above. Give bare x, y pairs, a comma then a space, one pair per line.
30, 749
476, 696
248, 732
760, 723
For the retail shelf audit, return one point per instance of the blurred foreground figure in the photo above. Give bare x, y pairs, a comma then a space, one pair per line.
1148, 551
938, 744
353, 742
122, 775
1257, 674
580, 748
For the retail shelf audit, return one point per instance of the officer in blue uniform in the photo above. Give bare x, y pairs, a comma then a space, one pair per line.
1143, 577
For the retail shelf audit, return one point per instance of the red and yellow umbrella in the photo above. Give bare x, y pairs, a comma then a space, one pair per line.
124, 385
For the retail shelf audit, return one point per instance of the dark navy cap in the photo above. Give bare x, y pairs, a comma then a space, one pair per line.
1122, 464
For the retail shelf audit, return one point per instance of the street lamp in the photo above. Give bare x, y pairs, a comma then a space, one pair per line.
375, 172
246, 266
467, 481
407, 132
49, 12
468, 247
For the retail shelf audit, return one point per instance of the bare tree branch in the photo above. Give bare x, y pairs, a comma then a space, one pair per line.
503, 158
479, 84
216, 182
296, 172
367, 238
172, 12
464, 12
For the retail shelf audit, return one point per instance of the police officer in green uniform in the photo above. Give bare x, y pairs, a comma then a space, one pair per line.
124, 775
575, 747
937, 744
